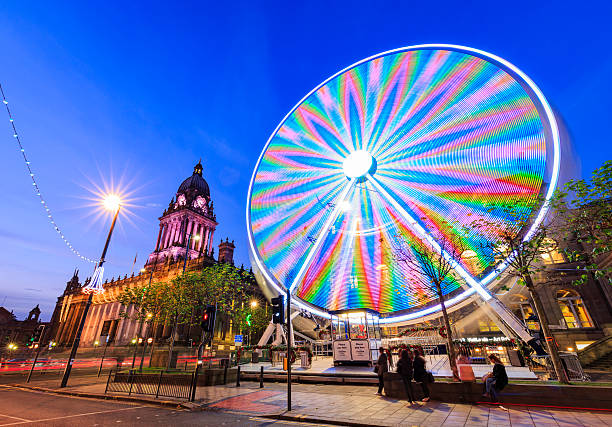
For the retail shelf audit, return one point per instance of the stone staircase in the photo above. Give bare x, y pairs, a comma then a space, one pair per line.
604, 363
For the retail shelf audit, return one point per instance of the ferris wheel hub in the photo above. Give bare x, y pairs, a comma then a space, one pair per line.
357, 164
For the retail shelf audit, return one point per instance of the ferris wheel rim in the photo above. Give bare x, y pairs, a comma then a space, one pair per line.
550, 124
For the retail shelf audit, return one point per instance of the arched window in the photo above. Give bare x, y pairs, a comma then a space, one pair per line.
551, 253
573, 309
524, 311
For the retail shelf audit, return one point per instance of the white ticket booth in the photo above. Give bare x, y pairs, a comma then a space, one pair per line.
355, 336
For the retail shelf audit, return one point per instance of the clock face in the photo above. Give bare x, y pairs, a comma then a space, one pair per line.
200, 203
181, 201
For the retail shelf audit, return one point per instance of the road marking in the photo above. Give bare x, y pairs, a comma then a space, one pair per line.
76, 415
300, 423
10, 416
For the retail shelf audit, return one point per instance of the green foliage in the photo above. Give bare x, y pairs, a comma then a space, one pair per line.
258, 319
149, 302
587, 217
187, 295
220, 284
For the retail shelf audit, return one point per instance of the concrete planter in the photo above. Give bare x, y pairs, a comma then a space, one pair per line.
575, 396
215, 376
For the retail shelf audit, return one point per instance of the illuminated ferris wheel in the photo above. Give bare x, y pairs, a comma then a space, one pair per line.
394, 145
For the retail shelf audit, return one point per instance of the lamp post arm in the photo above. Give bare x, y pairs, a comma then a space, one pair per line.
108, 238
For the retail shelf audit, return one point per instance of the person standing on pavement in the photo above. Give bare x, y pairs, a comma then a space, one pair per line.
420, 373
382, 366
405, 369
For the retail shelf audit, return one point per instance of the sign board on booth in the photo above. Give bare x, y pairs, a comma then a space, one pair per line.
238, 338
360, 350
342, 350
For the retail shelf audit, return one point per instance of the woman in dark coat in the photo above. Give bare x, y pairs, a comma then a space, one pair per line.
382, 366
420, 373
496, 380
405, 369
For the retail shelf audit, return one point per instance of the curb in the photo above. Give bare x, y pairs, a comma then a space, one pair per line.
316, 420
166, 403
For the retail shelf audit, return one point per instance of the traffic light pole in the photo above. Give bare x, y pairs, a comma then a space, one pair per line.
289, 335
42, 337
203, 340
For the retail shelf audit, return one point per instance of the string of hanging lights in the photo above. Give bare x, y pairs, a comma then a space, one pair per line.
35, 184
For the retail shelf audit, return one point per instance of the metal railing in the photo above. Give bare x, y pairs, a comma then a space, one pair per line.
164, 384
570, 362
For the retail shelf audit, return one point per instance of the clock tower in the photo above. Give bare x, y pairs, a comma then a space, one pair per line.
191, 214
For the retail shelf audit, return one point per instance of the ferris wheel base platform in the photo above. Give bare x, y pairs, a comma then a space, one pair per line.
322, 370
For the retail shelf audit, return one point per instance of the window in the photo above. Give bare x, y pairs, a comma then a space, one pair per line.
487, 325
573, 310
551, 253
523, 310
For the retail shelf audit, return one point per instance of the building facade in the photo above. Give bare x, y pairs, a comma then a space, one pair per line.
18, 331
579, 316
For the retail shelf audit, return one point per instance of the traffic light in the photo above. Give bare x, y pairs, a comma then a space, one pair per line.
37, 334
278, 310
208, 319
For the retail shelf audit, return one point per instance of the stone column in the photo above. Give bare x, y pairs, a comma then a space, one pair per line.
201, 241
183, 231
210, 243
158, 238
173, 234
196, 232
166, 235
206, 237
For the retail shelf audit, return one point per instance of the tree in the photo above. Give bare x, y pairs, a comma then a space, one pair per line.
587, 218
503, 225
150, 304
253, 319
433, 266
220, 284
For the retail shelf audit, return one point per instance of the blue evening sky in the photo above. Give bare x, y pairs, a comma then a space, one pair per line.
138, 91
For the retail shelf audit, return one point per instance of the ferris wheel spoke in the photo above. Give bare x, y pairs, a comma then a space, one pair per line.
322, 234
420, 231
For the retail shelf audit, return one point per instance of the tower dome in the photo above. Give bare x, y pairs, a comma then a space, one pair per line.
195, 183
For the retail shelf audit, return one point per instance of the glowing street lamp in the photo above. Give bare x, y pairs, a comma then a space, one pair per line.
253, 304
112, 203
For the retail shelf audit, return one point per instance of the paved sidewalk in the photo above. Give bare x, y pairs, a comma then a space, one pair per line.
354, 405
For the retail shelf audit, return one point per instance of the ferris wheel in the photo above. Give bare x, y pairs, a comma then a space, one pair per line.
394, 145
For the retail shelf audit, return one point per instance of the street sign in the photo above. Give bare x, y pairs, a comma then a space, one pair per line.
237, 338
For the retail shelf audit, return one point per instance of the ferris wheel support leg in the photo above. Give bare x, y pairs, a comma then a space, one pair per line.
513, 323
267, 334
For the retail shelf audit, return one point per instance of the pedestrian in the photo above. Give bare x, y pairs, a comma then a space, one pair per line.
405, 369
496, 380
420, 373
382, 366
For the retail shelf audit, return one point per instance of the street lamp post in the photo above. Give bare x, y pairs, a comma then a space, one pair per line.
110, 202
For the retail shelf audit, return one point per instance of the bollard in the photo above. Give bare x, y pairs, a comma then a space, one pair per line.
238, 377
225, 375
261, 378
